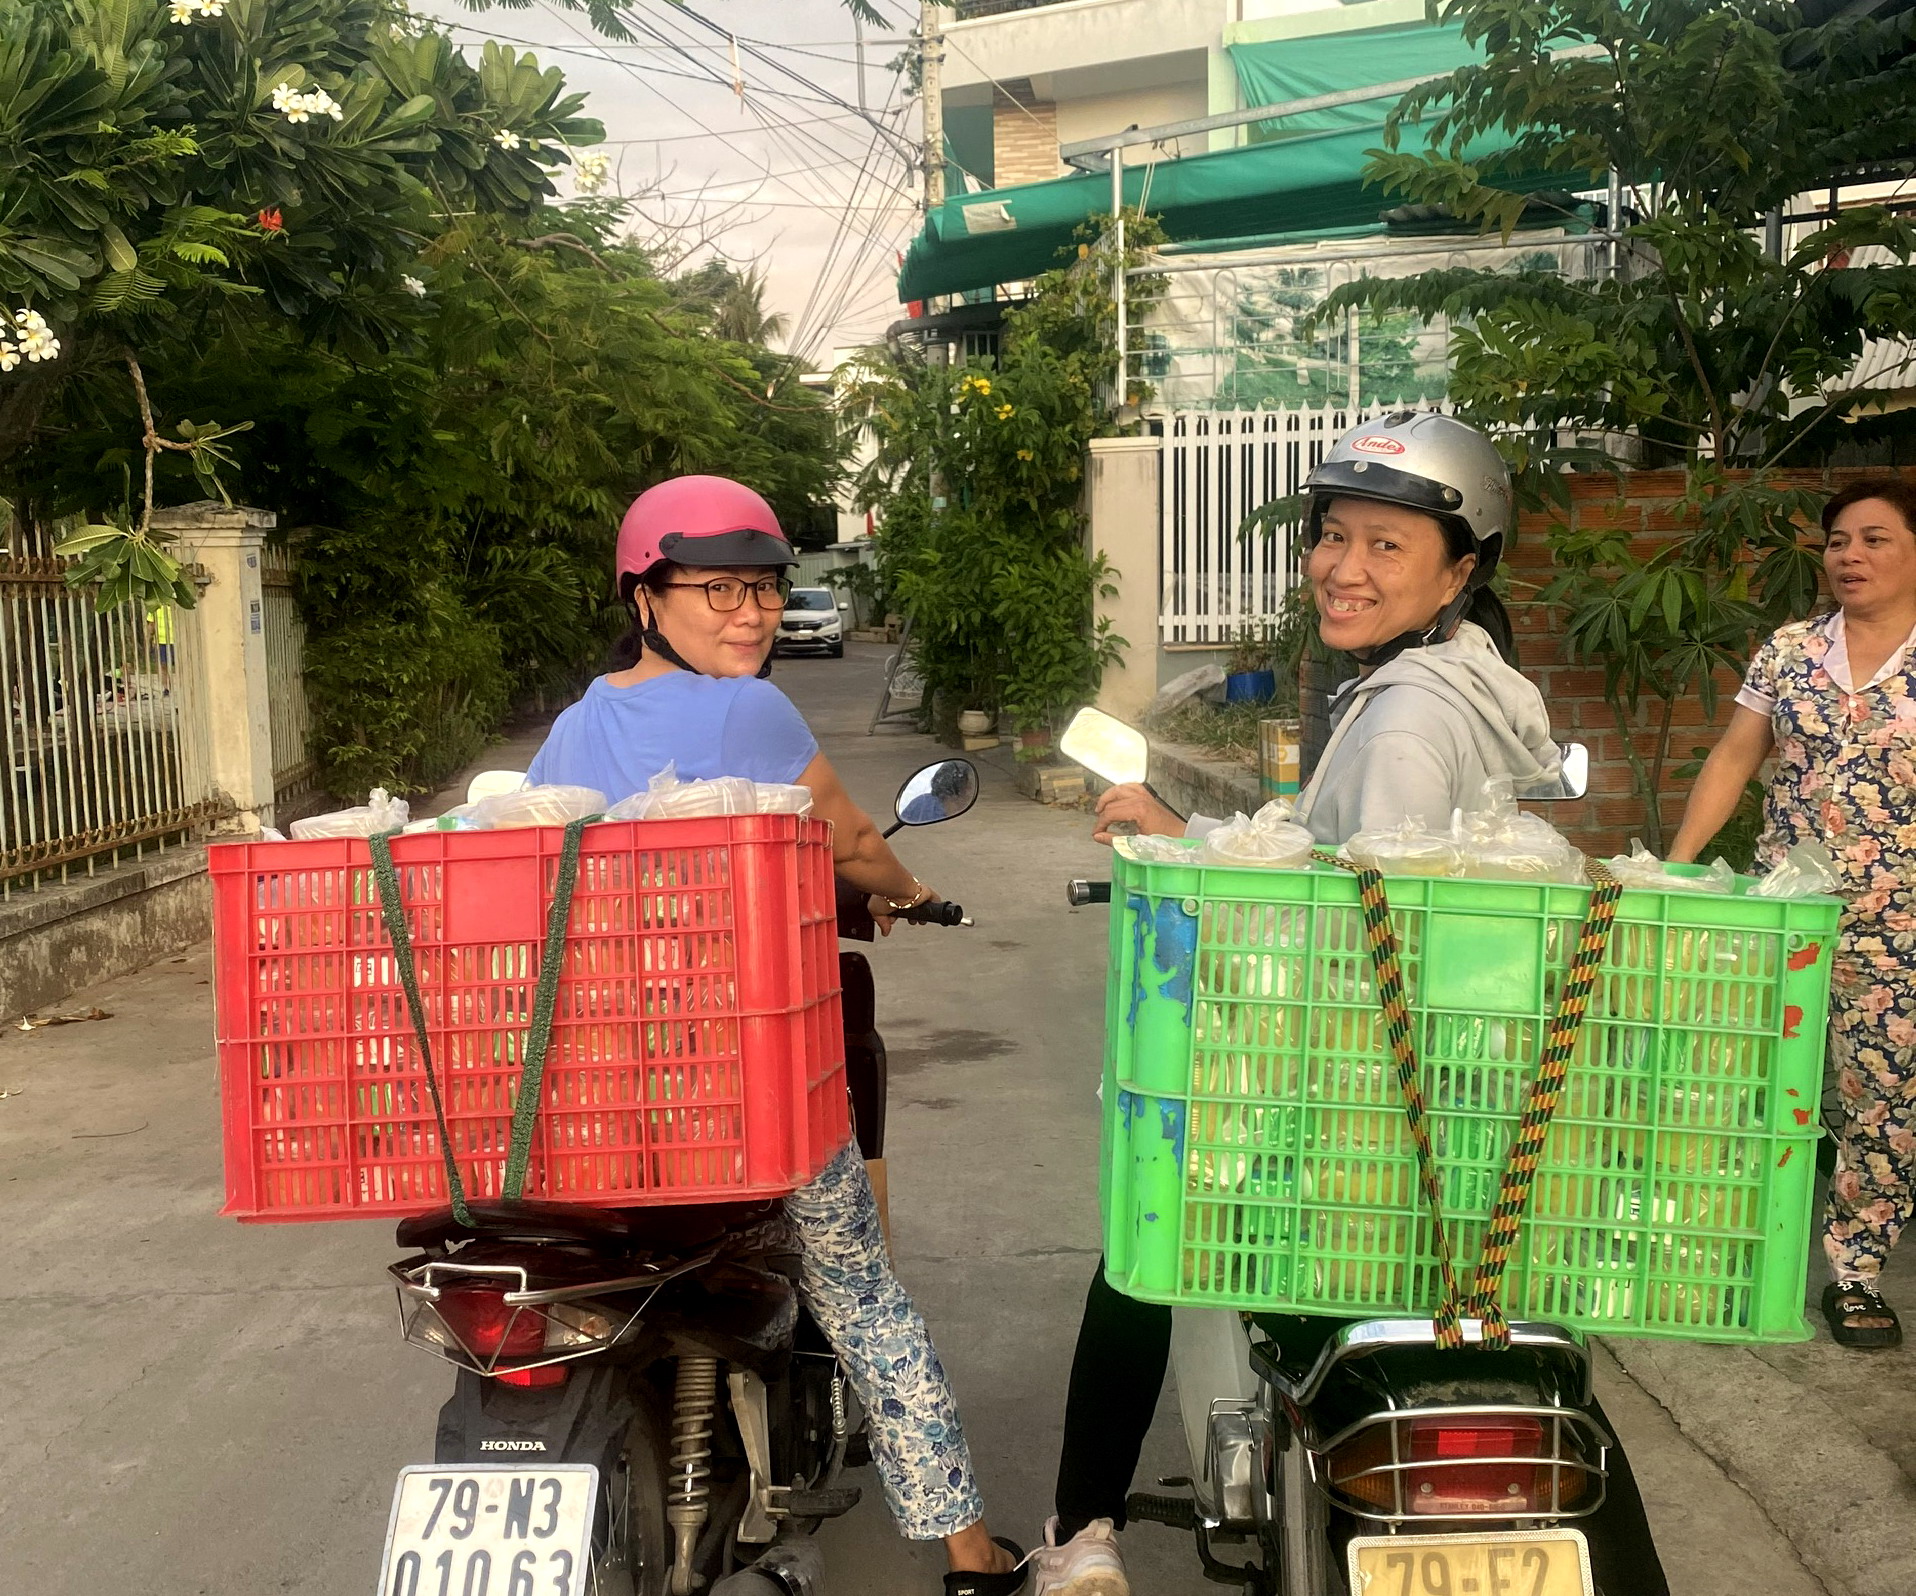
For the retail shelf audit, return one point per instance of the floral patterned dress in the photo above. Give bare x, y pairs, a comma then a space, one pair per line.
1846, 778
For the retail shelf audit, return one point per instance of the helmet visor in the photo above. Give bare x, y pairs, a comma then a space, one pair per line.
1367, 479
748, 546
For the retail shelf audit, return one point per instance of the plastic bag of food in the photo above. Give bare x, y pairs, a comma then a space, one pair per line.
1157, 850
532, 806
1269, 839
1642, 869
668, 798
782, 798
1502, 843
1805, 870
1405, 849
380, 815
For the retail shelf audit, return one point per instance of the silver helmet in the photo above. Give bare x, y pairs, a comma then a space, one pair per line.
1423, 461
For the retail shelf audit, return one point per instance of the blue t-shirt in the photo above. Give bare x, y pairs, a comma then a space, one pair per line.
616, 739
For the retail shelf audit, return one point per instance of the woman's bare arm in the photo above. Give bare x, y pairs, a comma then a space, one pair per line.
860, 855
1732, 765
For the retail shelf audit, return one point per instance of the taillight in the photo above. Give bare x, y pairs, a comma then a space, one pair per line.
1462, 1466
494, 1331
1460, 1484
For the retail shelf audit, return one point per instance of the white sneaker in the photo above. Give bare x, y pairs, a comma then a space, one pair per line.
1088, 1564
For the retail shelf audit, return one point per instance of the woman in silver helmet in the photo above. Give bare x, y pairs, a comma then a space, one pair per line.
1406, 520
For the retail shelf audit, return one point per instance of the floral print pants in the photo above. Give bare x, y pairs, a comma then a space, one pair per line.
1873, 1055
846, 1278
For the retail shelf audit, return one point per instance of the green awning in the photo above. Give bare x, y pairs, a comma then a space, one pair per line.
1303, 175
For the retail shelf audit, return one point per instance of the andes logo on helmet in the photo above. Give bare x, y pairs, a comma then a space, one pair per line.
1375, 443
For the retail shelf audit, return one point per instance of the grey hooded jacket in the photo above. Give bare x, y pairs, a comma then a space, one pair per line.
1420, 737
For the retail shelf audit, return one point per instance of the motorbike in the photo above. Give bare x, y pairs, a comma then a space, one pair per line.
1357, 1457
642, 1404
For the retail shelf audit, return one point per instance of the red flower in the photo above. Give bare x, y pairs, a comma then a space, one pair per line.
270, 221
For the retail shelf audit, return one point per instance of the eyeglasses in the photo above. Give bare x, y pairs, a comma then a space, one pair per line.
727, 593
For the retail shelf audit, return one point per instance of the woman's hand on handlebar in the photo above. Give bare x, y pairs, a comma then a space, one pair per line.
1132, 801
885, 917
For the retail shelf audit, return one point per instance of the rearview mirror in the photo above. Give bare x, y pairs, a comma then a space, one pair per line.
942, 791
492, 783
1106, 747
1573, 782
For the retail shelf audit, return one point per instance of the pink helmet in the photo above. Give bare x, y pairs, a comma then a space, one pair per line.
700, 521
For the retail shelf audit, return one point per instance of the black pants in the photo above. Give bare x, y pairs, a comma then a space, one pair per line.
1117, 1375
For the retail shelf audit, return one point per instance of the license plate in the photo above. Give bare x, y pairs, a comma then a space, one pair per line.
490, 1530
1520, 1563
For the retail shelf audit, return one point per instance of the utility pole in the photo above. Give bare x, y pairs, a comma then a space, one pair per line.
858, 35
932, 44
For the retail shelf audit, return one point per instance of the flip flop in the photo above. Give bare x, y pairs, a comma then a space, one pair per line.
1844, 1303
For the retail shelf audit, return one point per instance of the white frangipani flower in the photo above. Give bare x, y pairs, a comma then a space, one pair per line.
506, 139
29, 338
413, 286
181, 11
297, 107
589, 173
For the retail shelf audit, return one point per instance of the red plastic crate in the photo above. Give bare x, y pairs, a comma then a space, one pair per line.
697, 1053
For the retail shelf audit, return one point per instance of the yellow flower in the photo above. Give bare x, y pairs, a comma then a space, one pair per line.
1005, 412
1024, 454
976, 385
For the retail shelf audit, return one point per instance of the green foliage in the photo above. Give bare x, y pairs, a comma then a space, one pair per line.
1709, 352
451, 455
979, 476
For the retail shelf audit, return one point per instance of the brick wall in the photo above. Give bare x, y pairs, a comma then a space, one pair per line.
1024, 134
1604, 822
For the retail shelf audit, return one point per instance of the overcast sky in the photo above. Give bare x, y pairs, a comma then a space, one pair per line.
786, 177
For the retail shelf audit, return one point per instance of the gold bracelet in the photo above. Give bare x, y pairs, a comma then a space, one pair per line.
916, 898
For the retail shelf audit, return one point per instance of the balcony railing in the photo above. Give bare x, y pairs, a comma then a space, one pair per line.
971, 10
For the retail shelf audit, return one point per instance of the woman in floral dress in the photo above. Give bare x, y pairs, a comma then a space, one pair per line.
1834, 698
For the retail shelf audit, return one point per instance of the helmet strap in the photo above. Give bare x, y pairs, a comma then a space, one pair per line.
654, 641
1441, 630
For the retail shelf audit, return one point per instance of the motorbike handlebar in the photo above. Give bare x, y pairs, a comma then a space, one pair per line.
1082, 894
936, 914
855, 922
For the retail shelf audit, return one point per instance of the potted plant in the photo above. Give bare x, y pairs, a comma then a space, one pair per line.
1248, 676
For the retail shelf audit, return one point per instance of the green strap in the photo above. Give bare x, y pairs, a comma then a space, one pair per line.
525, 1107
393, 911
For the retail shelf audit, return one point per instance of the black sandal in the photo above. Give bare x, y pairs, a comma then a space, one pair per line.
1009, 1583
1845, 1303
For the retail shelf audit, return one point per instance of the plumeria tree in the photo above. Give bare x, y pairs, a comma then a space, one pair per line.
198, 162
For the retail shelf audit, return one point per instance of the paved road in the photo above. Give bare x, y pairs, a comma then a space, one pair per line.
189, 1407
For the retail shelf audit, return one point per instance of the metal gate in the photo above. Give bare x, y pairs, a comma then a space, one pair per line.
1220, 468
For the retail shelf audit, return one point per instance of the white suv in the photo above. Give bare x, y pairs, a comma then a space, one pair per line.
812, 621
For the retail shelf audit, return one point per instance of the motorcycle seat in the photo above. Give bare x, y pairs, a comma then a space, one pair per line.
617, 1230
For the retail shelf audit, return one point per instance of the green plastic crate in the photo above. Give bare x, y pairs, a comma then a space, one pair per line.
1256, 1153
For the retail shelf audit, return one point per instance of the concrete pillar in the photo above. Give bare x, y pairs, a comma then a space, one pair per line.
1125, 509
227, 655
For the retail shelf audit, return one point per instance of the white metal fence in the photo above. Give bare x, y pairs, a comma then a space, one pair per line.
1220, 467
295, 770
101, 726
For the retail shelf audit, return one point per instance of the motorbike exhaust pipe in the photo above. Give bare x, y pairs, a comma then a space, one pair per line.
790, 1567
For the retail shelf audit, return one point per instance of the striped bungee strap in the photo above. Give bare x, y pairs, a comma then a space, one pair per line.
1546, 1092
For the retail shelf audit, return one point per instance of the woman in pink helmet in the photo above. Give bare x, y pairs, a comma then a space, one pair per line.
703, 566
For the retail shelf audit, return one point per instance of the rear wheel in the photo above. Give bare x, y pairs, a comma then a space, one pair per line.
638, 1550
